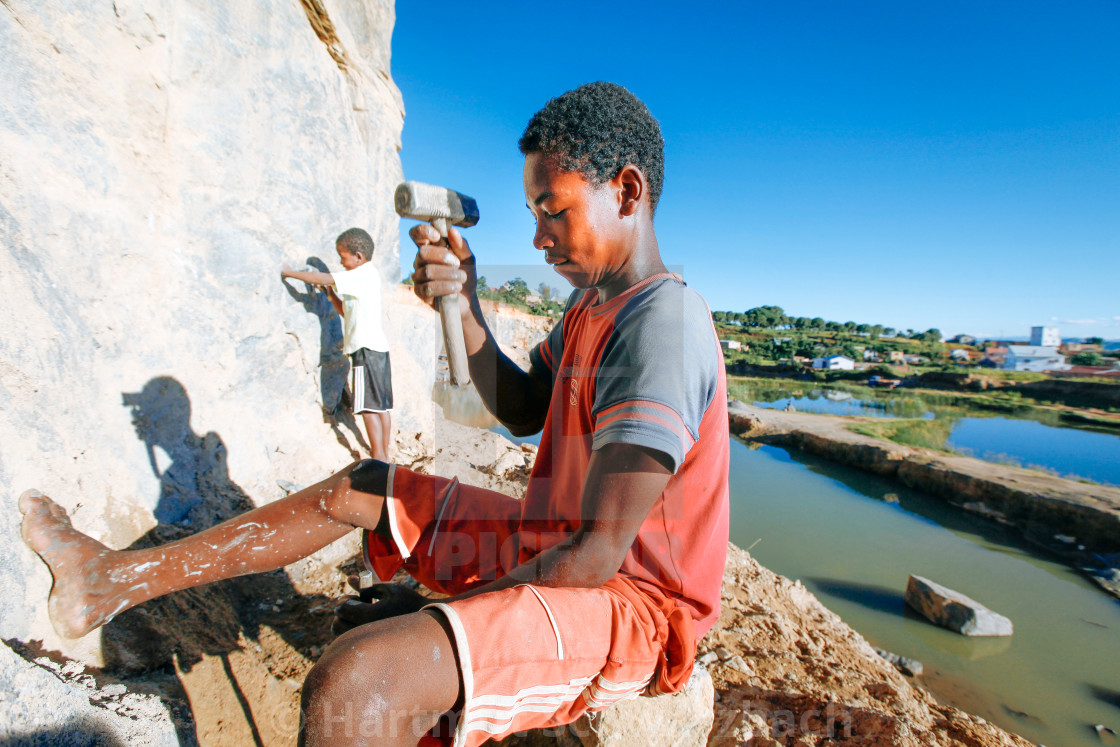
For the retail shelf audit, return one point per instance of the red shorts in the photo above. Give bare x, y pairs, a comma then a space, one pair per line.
530, 657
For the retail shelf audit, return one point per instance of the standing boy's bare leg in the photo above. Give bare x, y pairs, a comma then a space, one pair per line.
386, 430
378, 442
93, 583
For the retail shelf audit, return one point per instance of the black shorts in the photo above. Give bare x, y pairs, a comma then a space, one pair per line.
371, 381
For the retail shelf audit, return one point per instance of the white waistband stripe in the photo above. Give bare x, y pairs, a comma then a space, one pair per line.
551, 619
391, 512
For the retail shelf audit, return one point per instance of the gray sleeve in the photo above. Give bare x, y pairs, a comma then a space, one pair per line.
659, 373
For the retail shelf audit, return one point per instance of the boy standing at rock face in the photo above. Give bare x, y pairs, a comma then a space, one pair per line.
356, 296
594, 588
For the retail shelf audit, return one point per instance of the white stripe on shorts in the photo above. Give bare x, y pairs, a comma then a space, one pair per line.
358, 388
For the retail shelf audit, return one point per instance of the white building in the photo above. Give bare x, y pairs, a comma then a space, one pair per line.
835, 363
1034, 358
731, 344
1046, 337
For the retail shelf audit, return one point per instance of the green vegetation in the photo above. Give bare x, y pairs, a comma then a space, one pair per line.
772, 338
1088, 359
777, 344
920, 433
543, 301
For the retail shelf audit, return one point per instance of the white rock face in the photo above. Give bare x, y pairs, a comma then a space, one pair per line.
953, 610
158, 162
43, 704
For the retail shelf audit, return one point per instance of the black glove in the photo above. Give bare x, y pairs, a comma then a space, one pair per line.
392, 600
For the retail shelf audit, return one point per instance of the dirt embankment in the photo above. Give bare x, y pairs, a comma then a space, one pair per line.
791, 672
1039, 505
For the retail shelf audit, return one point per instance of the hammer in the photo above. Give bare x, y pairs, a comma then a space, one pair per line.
442, 208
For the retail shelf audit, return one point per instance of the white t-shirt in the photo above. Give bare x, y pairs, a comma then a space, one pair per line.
360, 291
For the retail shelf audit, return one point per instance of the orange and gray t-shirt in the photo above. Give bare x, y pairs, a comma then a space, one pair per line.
644, 368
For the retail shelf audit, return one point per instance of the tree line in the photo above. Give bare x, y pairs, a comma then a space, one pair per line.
774, 318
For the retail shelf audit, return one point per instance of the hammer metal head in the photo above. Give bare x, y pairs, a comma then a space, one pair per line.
428, 202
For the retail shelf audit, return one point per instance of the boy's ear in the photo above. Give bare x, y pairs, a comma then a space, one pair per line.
631, 185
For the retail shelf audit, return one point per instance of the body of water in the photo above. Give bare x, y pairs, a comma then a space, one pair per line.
854, 539
1070, 452
1077, 453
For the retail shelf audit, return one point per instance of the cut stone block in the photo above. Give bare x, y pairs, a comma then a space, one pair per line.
953, 610
682, 719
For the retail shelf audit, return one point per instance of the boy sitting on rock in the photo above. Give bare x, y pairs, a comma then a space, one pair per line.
595, 587
355, 294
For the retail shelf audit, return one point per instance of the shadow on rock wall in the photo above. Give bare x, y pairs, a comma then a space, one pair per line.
196, 492
77, 734
333, 365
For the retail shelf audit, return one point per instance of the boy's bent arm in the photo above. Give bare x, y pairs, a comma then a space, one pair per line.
313, 278
622, 485
517, 398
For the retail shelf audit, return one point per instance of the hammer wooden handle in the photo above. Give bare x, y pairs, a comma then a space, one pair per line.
452, 321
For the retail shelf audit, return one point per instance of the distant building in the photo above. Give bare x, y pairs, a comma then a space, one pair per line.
870, 356
994, 356
533, 298
1034, 358
731, 344
835, 363
897, 356
959, 355
1046, 337
1079, 347
963, 340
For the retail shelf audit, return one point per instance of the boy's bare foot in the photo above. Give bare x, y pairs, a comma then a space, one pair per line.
83, 596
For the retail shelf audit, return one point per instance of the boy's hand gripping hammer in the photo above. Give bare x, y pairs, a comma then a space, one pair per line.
442, 208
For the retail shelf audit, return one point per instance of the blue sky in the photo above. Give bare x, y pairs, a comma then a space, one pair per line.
952, 165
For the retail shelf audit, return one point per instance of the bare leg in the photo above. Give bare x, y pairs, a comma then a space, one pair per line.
93, 583
386, 430
384, 683
378, 443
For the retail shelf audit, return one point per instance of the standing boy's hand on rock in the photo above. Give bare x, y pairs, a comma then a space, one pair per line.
442, 269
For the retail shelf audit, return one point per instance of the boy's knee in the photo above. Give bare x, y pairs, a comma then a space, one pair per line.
340, 700
349, 499
370, 476
352, 666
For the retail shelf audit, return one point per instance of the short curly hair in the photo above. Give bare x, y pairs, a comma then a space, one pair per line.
596, 130
356, 241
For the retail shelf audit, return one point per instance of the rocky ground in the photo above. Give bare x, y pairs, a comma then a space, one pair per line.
226, 663
789, 671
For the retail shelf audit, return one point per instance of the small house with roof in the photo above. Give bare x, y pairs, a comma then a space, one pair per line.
835, 363
1034, 358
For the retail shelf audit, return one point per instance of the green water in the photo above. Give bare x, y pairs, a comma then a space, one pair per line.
854, 539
